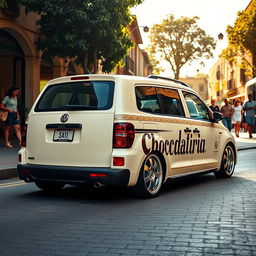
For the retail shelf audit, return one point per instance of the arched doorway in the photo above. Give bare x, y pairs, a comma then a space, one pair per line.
12, 68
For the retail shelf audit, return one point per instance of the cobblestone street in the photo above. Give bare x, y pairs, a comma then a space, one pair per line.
193, 216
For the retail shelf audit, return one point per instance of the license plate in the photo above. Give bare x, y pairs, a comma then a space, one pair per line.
63, 135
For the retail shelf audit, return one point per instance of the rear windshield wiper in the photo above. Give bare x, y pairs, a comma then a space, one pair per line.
81, 107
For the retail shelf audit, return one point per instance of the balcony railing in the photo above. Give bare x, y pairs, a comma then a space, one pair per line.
13, 8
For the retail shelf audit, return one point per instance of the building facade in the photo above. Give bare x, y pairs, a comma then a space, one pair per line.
21, 63
136, 62
227, 79
19, 57
199, 84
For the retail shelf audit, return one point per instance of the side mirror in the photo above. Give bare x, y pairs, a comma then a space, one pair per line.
217, 116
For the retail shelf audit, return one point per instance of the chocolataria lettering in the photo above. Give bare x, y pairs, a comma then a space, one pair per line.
189, 145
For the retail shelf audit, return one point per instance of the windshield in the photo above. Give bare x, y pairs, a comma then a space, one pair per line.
93, 95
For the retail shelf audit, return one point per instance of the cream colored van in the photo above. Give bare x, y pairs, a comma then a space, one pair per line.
122, 131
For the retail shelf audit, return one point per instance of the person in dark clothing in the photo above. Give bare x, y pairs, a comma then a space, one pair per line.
214, 107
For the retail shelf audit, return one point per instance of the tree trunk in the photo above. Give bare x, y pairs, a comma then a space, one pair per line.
85, 64
95, 64
177, 74
254, 64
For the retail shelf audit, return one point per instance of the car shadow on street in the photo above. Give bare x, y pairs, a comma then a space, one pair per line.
83, 194
189, 181
191, 187
111, 195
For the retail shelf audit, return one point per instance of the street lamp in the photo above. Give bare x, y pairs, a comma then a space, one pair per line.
145, 29
220, 36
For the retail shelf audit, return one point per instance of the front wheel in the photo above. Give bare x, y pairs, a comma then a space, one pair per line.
49, 186
227, 163
150, 178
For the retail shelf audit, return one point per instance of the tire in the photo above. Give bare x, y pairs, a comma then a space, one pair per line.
150, 178
49, 186
227, 163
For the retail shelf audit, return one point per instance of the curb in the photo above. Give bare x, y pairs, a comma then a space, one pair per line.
8, 173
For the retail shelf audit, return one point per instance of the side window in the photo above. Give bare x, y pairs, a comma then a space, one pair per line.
147, 100
170, 102
196, 107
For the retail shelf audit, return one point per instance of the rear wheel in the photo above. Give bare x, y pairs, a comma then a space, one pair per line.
49, 186
227, 163
150, 178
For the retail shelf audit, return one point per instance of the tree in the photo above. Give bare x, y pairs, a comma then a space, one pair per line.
242, 39
178, 42
2, 3
90, 31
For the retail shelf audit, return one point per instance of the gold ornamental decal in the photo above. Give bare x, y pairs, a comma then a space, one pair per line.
167, 120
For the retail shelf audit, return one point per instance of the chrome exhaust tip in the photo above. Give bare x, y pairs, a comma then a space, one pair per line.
27, 180
98, 185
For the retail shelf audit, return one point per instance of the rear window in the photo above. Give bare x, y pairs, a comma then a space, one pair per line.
93, 95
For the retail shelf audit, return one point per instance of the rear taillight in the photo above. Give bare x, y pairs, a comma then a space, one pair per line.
24, 135
123, 135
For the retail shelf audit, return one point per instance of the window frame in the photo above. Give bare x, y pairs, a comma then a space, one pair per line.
210, 119
160, 101
136, 99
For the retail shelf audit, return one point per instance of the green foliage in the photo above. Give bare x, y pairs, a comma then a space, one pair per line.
242, 39
90, 31
3, 3
178, 42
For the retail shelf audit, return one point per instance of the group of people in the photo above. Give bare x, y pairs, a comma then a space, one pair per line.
237, 114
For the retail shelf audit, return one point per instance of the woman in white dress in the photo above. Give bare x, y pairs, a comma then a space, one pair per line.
237, 116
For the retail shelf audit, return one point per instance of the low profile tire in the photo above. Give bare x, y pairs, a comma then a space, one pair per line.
49, 186
150, 178
227, 163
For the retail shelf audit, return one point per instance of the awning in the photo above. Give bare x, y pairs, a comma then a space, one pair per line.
236, 96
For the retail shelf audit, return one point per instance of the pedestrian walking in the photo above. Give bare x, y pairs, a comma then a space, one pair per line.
243, 123
214, 107
9, 103
226, 111
250, 110
237, 116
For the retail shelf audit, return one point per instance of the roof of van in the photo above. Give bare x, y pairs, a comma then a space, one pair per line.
252, 81
133, 79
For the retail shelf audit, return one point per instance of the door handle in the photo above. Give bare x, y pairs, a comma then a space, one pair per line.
187, 130
196, 131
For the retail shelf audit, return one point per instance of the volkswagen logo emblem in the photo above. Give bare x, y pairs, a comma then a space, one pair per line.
64, 118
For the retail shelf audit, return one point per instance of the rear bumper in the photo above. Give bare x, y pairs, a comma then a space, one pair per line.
73, 175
